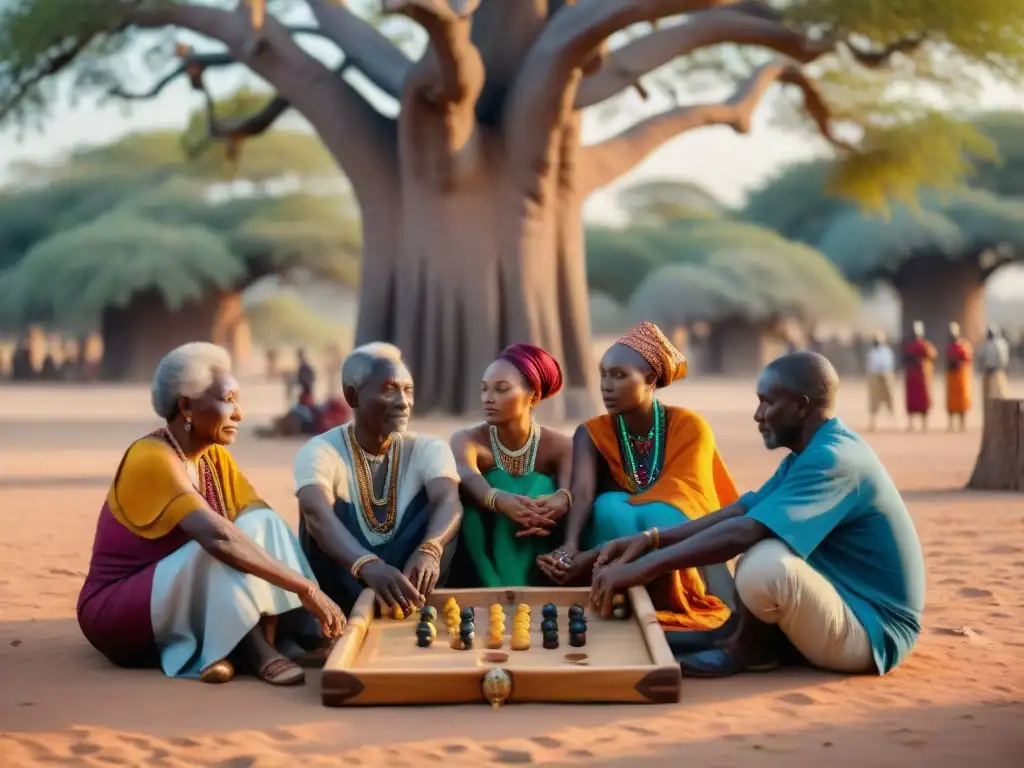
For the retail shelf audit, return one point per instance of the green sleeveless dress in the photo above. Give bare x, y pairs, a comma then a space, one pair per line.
488, 538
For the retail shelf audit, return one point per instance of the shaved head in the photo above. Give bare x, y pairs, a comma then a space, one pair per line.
808, 374
796, 392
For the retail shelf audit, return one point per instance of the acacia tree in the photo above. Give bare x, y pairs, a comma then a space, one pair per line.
745, 283
471, 198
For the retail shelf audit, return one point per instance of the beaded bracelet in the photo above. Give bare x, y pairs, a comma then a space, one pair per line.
357, 566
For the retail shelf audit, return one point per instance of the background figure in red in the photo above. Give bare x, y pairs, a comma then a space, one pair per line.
919, 360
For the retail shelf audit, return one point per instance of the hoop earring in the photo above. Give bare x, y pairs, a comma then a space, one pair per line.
188, 424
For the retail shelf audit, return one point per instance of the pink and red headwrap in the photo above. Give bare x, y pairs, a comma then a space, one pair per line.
540, 369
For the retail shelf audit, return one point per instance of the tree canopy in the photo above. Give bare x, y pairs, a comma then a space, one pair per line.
721, 269
982, 217
863, 56
284, 320
69, 252
967, 224
664, 200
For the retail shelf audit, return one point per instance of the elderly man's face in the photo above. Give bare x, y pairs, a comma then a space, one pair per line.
385, 401
780, 413
216, 413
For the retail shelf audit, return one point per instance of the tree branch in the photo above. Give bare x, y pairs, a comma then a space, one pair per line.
545, 91
732, 24
459, 67
370, 52
362, 140
192, 65
610, 159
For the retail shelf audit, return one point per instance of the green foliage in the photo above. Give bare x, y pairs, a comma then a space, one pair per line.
272, 155
956, 225
793, 282
1005, 176
665, 200
166, 234
617, 260
607, 316
79, 271
734, 269
284, 320
795, 202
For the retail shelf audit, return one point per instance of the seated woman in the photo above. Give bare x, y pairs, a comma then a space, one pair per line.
507, 462
189, 566
641, 467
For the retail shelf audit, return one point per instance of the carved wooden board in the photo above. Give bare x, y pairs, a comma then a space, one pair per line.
377, 660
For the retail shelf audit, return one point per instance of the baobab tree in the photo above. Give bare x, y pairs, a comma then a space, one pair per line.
471, 197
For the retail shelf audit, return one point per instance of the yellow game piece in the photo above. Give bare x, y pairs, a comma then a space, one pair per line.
520, 643
449, 603
397, 613
455, 643
453, 628
494, 642
521, 621
522, 608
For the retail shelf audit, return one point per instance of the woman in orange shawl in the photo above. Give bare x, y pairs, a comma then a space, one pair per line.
190, 568
645, 466
959, 378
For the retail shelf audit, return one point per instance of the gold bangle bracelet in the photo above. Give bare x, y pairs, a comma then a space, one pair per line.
491, 502
568, 494
432, 548
357, 566
655, 538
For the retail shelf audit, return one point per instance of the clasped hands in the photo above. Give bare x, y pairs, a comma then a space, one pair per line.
535, 517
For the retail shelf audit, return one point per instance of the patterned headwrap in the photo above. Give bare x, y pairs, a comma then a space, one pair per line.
651, 344
542, 372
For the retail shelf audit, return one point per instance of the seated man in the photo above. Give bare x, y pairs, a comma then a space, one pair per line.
378, 506
831, 555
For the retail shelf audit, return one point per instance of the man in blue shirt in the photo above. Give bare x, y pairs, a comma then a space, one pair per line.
830, 555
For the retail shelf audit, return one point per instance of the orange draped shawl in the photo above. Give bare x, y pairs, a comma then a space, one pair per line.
694, 480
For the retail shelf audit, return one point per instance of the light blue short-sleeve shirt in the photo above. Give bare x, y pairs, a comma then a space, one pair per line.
836, 507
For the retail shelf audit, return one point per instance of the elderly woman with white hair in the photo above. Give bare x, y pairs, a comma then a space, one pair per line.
190, 569
378, 505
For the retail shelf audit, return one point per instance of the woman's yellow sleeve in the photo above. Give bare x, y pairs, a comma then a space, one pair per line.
151, 492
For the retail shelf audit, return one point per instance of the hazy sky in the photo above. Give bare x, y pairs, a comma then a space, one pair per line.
716, 158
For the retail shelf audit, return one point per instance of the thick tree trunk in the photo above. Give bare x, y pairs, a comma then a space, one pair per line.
937, 292
1000, 465
137, 336
455, 270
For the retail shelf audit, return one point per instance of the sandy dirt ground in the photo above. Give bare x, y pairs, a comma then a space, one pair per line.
958, 701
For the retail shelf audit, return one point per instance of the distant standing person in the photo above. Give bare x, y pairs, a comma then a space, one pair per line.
995, 359
919, 360
959, 375
881, 367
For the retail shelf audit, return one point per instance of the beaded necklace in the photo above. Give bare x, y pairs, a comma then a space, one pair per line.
368, 500
208, 484
520, 461
642, 456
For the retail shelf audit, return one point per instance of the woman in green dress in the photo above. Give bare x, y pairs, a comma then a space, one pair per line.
507, 465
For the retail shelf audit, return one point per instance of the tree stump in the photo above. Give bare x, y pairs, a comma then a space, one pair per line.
1000, 465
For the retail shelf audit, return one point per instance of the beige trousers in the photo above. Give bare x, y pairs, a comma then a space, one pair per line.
779, 588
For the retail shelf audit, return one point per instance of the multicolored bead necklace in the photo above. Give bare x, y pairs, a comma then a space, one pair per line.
642, 456
518, 462
364, 480
208, 485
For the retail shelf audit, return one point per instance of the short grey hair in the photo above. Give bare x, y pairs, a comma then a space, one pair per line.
359, 365
186, 371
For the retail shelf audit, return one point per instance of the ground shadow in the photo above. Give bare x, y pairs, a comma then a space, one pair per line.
60, 677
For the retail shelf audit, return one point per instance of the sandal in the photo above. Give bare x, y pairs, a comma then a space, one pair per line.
282, 671
218, 672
